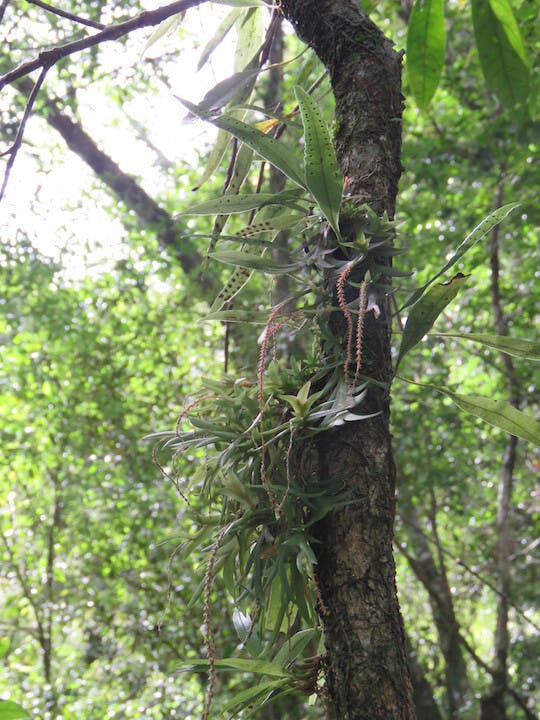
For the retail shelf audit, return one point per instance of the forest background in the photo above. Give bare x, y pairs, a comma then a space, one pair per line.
104, 342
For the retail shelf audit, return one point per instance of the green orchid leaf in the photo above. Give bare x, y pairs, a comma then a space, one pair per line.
254, 262
323, 174
500, 414
228, 204
270, 149
424, 313
470, 241
251, 665
518, 347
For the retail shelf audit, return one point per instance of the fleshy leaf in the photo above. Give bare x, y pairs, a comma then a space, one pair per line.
270, 149
227, 204
470, 241
518, 347
424, 313
254, 262
500, 414
324, 178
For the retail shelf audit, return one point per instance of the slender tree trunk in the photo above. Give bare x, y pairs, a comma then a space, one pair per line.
367, 674
434, 579
493, 705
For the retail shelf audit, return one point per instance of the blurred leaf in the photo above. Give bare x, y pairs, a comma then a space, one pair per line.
251, 665
11, 711
501, 51
227, 89
426, 42
227, 204
167, 27
254, 262
243, 625
4, 646
218, 37
247, 697
249, 34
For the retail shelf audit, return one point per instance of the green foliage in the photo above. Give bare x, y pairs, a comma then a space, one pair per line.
88, 366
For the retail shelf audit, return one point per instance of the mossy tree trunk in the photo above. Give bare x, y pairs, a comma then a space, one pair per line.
366, 668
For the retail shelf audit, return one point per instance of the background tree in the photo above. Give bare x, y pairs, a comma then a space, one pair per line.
464, 141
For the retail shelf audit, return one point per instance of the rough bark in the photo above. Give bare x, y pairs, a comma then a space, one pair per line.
366, 671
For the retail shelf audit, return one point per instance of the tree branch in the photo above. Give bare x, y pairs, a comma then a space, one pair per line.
68, 15
3, 8
148, 18
14, 149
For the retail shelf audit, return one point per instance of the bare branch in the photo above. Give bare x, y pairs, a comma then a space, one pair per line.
148, 18
14, 149
3, 8
68, 15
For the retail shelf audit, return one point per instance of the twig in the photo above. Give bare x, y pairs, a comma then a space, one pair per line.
148, 18
68, 15
14, 149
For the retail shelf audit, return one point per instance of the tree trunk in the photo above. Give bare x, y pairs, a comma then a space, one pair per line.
366, 671
435, 580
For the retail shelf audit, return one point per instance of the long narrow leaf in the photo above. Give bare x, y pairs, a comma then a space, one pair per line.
244, 699
251, 665
218, 37
254, 262
270, 149
470, 241
323, 174
227, 204
500, 414
424, 313
518, 347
